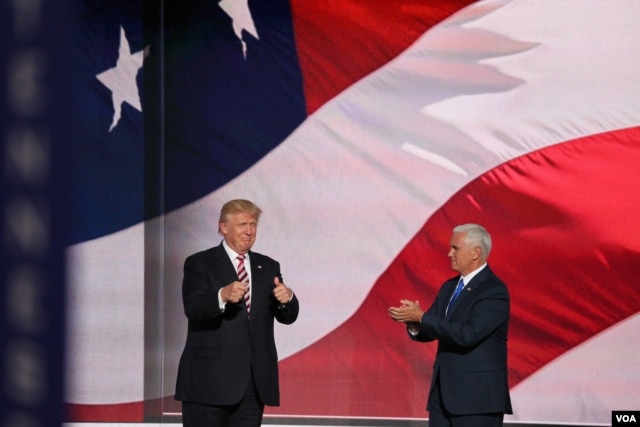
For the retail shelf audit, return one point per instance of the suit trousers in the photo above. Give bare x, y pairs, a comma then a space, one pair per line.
440, 417
246, 413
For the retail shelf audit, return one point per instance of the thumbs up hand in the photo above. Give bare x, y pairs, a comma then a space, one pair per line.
281, 292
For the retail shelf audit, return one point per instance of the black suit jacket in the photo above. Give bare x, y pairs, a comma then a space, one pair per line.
471, 361
222, 348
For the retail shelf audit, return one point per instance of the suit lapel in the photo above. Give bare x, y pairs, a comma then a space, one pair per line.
451, 288
224, 264
469, 288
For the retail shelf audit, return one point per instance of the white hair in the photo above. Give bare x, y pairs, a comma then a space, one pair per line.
476, 235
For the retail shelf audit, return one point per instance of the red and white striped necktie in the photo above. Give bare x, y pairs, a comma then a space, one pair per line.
243, 277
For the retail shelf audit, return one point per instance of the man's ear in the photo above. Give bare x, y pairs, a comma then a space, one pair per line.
477, 252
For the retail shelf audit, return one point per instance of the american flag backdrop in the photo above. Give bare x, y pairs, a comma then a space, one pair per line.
365, 130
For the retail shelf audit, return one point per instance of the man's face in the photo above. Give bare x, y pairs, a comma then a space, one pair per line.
240, 231
463, 256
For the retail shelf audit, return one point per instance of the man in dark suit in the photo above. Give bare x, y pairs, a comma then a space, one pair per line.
229, 367
469, 386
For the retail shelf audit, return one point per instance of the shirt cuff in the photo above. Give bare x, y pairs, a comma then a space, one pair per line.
221, 304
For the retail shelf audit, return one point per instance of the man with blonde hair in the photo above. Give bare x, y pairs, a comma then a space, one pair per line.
231, 295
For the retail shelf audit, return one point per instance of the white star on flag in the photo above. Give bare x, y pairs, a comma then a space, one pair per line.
240, 14
121, 79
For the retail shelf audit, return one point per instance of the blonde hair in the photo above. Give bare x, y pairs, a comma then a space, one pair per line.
238, 206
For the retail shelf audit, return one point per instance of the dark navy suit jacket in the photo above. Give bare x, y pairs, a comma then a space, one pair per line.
471, 361
222, 348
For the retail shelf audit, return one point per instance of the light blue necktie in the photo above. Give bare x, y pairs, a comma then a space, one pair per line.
456, 292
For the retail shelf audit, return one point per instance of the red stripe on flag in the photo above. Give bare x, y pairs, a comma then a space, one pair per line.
341, 41
117, 412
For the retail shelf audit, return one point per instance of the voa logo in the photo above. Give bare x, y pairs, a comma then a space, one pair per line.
619, 418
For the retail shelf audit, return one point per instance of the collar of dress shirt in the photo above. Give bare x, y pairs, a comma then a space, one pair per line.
466, 279
233, 255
